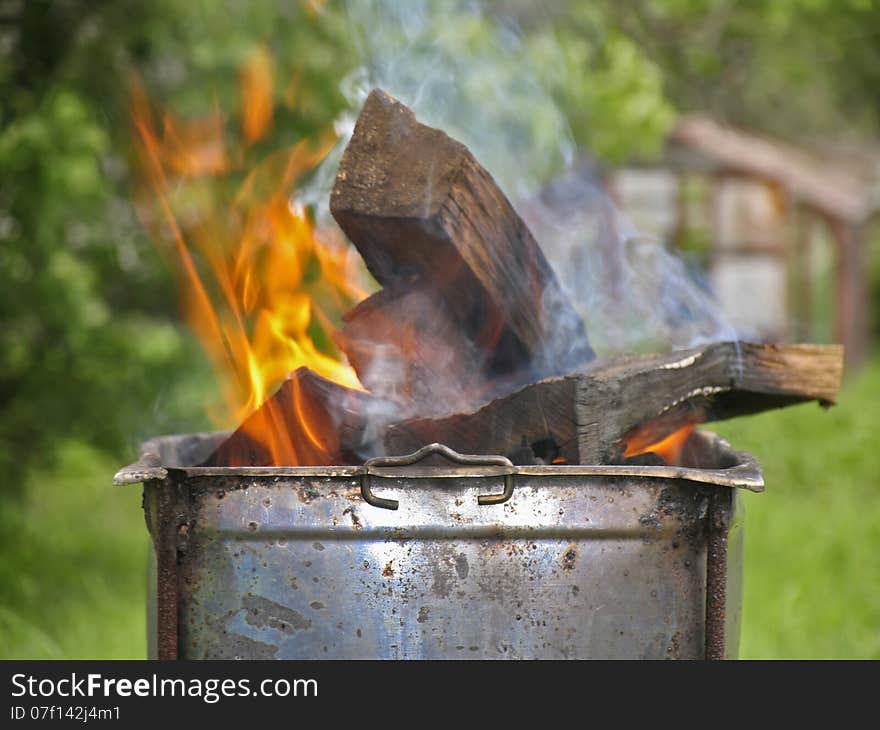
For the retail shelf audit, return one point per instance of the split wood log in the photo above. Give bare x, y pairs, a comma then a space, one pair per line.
309, 421
415, 202
636, 400
405, 346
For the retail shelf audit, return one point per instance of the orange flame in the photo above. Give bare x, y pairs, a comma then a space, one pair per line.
669, 448
256, 96
262, 289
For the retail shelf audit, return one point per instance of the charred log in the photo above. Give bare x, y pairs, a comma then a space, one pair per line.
591, 417
405, 346
419, 207
309, 421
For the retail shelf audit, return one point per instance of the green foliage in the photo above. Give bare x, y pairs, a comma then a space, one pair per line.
197, 50
813, 537
70, 351
90, 345
73, 560
610, 91
803, 68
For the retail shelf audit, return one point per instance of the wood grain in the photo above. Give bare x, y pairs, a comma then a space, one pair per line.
415, 202
590, 416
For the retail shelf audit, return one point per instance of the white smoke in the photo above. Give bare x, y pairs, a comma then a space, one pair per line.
469, 74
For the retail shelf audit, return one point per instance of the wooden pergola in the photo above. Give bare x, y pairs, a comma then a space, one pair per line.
842, 199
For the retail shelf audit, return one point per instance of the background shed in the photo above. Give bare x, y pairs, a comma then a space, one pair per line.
782, 233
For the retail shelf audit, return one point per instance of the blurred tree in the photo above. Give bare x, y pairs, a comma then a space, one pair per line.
610, 90
90, 347
800, 68
67, 345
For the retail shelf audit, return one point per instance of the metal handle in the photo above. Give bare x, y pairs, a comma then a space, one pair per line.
445, 451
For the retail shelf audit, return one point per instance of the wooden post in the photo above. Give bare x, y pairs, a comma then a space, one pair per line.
851, 295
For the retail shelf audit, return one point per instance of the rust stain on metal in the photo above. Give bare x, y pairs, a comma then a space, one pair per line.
440, 585
461, 566
674, 647
307, 493
569, 558
165, 542
353, 516
388, 570
716, 574
263, 613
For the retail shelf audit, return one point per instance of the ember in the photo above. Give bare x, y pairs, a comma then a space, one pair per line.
668, 449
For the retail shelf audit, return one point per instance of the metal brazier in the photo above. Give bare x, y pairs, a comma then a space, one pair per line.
475, 558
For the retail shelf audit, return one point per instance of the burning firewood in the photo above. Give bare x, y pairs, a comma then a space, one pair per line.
405, 346
472, 311
309, 421
592, 418
425, 215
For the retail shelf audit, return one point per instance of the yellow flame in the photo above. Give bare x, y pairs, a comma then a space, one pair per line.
261, 287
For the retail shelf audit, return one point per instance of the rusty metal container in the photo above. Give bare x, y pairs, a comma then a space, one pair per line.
472, 558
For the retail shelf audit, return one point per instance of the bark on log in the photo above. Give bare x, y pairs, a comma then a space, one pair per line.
592, 416
309, 421
415, 202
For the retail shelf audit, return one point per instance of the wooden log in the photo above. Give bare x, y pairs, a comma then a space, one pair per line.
414, 201
591, 417
538, 412
309, 421
405, 346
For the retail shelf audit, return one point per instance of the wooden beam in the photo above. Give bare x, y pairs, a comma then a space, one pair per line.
590, 417
415, 202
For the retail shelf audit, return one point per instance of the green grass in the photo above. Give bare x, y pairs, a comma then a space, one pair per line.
73, 555
812, 567
73, 558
